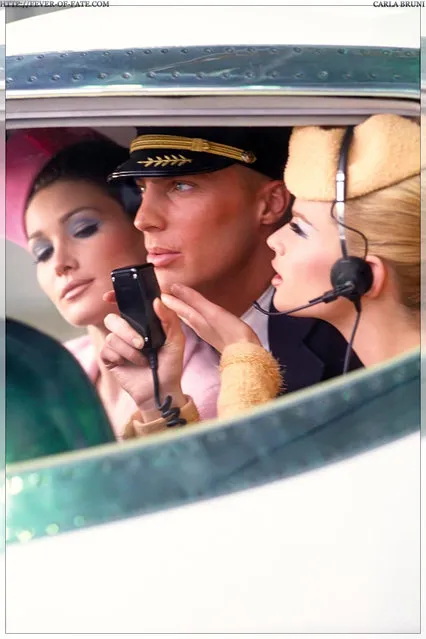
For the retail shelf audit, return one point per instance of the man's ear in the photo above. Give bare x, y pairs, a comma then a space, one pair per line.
380, 277
275, 199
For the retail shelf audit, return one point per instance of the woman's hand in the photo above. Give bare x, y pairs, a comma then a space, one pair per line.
121, 353
211, 322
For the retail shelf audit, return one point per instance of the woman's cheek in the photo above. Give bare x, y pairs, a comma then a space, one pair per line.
44, 282
318, 270
307, 274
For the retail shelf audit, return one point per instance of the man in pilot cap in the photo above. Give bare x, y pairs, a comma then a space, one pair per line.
210, 197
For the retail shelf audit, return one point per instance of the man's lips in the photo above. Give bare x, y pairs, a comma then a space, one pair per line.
75, 288
162, 257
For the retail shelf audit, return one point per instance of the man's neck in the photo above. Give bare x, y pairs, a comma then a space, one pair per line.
236, 291
238, 298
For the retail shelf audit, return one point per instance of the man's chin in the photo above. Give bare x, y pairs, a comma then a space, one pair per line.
166, 280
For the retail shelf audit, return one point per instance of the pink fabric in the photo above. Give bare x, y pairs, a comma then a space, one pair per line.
27, 152
83, 351
200, 378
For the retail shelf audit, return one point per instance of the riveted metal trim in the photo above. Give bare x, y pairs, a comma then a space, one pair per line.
197, 70
305, 431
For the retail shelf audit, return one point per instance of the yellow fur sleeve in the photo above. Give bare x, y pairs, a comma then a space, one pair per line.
250, 376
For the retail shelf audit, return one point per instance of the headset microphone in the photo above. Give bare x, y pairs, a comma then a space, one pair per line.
329, 296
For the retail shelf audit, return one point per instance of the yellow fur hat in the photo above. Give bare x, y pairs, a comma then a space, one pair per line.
384, 150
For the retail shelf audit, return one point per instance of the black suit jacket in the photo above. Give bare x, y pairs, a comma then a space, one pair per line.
308, 350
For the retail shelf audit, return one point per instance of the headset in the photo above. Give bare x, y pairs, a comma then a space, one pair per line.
351, 272
351, 277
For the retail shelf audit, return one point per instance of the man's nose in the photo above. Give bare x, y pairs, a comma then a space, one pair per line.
151, 214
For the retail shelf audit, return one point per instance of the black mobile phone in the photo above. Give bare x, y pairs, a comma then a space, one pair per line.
135, 288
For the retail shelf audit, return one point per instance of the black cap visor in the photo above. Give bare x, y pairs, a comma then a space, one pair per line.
169, 163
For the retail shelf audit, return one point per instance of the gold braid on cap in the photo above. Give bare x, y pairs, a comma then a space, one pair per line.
191, 144
385, 150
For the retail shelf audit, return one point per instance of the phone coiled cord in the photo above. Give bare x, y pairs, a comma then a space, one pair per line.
170, 414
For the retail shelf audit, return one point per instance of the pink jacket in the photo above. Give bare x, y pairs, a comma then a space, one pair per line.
200, 377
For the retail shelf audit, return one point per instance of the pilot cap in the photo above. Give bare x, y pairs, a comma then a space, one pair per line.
384, 150
180, 151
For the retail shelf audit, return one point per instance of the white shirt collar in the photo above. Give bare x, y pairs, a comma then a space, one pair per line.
258, 321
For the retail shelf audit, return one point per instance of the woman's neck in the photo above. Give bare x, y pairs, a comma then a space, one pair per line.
383, 332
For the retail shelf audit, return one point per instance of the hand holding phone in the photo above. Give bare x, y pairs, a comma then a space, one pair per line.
135, 289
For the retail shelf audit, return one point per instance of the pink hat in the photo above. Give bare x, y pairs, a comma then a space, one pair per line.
27, 152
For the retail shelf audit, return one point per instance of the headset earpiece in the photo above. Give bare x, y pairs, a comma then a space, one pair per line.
352, 271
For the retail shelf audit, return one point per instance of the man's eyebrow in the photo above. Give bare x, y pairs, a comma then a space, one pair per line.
302, 217
63, 219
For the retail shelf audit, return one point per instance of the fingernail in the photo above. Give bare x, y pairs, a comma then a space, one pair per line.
137, 342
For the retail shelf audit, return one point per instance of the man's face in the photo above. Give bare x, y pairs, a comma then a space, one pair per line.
202, 230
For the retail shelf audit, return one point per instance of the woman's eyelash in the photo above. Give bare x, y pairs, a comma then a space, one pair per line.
43, 256
86, 230
296, 229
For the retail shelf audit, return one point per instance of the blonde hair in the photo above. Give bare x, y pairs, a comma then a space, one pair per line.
390, 220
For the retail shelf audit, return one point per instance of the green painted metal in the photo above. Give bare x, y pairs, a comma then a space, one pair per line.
326, 423
282, 69
51, 406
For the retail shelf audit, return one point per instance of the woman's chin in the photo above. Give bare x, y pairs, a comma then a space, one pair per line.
83, 319
280, 301
287, 304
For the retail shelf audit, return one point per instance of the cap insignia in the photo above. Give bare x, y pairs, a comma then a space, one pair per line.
167, 160
189, 144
